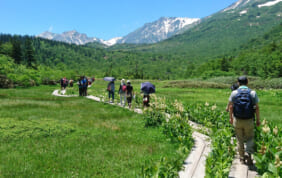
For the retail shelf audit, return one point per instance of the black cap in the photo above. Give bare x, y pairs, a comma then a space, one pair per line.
243, 80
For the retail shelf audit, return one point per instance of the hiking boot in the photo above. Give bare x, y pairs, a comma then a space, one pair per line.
242, 160
249, 161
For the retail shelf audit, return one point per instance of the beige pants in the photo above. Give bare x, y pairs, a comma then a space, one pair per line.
244, 129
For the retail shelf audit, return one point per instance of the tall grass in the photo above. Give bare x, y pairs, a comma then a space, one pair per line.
47, 136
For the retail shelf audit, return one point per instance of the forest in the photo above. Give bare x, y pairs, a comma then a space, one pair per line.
27, 61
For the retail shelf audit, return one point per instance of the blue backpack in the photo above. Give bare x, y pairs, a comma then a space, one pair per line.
243, 105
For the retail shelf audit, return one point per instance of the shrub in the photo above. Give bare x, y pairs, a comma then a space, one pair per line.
269, 150
154, 118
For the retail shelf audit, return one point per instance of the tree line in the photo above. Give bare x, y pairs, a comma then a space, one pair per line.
37, 59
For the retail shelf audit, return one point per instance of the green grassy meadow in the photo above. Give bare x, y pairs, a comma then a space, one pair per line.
47, 136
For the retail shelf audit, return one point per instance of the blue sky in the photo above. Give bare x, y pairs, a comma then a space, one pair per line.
97, 18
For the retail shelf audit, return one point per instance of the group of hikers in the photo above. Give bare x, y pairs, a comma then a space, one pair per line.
125, 90
65, 82
83, 83
242, 106
126, 93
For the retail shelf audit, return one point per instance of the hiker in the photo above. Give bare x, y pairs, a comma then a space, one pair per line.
243, 105
111, 90
233, 87
80, 86
62, 83
71, 82
146, 99
65, 83
129, 93
122, 91
85, 86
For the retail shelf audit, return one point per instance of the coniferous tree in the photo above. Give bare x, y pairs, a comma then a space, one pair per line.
29, 53
16, 51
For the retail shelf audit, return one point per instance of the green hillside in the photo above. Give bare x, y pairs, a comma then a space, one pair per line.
221, 33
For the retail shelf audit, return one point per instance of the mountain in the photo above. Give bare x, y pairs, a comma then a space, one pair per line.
220, 33
149, 33
72, 37
158, 30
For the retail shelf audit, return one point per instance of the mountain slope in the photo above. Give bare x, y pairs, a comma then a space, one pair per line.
222, 32
158, 30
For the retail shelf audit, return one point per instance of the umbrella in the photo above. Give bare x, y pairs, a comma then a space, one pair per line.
148, 88
109, 79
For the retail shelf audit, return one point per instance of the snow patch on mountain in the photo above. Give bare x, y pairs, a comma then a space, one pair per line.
243, 12
270, 3
48, 35
158, 30
112, 41
235, 5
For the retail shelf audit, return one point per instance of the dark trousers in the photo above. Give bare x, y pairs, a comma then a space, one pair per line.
80, 91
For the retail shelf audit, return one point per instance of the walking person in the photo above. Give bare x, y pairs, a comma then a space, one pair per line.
129, 93
122, 91
85, 86
65, 83
111, 90
80, 86
233, 87
62, 83
146, 99
243, 108
71, 83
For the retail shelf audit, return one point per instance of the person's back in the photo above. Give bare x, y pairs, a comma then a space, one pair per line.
122, 91
242, 104
111, 90
129, 93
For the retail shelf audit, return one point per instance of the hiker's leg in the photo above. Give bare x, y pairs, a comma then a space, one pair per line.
120, 95
239, 131
80, 91
124, 99
249, 135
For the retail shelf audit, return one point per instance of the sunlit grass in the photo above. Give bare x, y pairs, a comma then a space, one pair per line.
44, 135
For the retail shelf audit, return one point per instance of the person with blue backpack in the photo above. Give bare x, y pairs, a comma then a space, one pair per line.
80, 86
111, 90
243, 109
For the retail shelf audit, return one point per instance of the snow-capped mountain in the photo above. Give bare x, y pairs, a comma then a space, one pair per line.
158, 30
70, 37
153, 32
112, 41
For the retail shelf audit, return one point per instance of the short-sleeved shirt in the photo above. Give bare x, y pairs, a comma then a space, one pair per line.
112, 85
129, 89
254, 96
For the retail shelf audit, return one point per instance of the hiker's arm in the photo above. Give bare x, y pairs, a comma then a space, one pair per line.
227, 107
257, 115
231, 113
